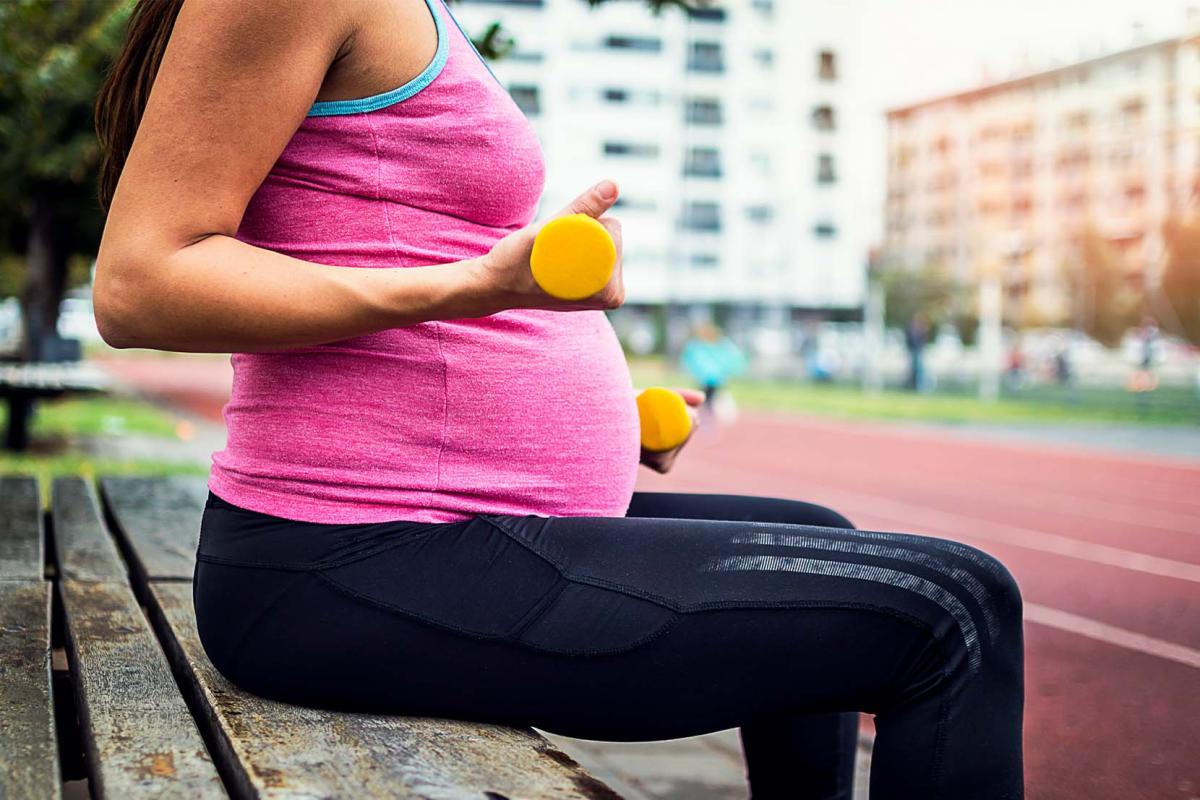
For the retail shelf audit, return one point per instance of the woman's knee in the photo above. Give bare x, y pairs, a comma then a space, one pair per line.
998, 582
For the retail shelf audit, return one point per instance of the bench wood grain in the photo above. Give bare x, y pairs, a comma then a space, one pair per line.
22, 553
28, 750
159, 519
85, 550
140, 738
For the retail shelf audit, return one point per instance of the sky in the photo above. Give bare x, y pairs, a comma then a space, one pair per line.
913, 49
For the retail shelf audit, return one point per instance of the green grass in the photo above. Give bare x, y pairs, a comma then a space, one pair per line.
57, 422
1166, 406
100, 416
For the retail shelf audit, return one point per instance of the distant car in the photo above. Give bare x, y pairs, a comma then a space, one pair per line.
10, 326
77, 320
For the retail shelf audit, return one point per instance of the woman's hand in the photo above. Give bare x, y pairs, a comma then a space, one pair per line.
507, 281
661, 462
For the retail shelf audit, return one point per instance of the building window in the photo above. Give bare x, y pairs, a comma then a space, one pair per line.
823, 119
617, 95
631, 149
633, 204
760, 103
704, 260
827, 65
701, 215
704, 162
825, 230
825, 171
704, 111
764, 7
762, 215
526, 56
765, 57
705, 57
706, 14
644, 44
526, 98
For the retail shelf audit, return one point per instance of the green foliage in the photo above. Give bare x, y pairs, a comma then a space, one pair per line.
53, 55
1181, 281
1105, 304
929, 291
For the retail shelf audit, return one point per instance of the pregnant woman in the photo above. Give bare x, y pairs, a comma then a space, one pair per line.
426, 502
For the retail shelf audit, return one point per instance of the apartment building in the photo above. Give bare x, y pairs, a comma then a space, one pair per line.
1010, 175
726, 128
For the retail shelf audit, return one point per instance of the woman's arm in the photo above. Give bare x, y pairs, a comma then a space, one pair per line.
235, 82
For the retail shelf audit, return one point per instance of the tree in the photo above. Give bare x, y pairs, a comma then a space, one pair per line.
53, 55
1181, 280
1104, 302
929, 291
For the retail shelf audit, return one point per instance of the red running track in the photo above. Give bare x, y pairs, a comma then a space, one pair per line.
1106, 549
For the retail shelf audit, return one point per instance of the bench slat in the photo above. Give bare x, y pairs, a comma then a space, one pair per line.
85, 550
140, 737
21, 553
285, 751
28, 751
159, 519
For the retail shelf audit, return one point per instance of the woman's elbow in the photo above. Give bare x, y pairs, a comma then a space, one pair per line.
115, 303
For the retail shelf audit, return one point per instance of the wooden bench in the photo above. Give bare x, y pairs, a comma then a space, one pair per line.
23, 383
154, 717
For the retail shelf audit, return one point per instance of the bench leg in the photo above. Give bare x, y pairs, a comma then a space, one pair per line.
20, 407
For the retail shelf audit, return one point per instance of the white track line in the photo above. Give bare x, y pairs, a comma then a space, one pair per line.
957, 525
1110, 634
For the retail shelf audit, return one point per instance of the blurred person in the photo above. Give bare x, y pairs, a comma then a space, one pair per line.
819, 364
1014, 372
1143, 379
1063, 375
712, 358
426, 504
916, 336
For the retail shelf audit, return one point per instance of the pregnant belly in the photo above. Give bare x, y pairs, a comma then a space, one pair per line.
540, 414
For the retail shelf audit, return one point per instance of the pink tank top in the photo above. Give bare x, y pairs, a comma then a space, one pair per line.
522, 412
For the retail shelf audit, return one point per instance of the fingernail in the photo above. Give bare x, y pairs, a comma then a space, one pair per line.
606, 189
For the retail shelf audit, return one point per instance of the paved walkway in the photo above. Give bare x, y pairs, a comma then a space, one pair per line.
700, 768
1170, 441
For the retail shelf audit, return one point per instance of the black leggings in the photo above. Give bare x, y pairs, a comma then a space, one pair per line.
694, 613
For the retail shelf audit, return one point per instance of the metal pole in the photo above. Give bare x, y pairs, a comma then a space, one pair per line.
873, 338
990, 348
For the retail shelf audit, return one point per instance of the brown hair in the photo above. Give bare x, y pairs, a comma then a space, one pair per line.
122, 99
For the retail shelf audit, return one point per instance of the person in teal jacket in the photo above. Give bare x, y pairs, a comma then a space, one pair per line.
711, 358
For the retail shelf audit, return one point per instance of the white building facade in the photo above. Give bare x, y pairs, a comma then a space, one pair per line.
730, 131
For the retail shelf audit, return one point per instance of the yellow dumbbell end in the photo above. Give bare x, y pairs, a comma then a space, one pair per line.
573, 257
664, 418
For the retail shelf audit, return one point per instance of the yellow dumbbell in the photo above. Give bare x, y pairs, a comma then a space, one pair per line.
573, 257
664, 418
